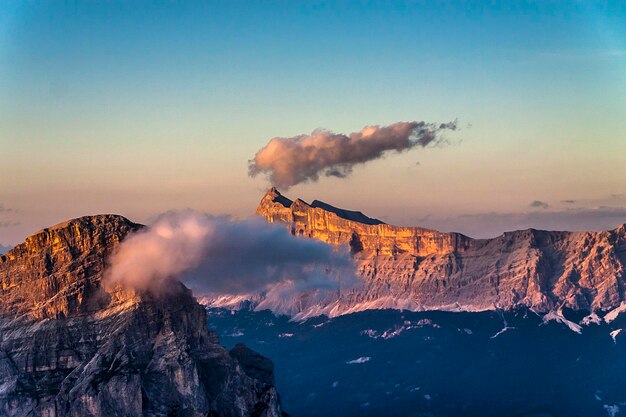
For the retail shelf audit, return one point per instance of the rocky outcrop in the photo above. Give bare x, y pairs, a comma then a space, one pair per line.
71, 345
416, 268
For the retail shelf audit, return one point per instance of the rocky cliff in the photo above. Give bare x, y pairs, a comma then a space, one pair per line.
70, 345
418, 269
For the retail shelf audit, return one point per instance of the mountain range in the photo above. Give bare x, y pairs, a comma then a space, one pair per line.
73, 344
419, 269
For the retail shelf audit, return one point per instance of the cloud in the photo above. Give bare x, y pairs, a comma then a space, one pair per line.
221, 256
539, 204
568, 201
297, 159
8, 223
4, 249
5, 209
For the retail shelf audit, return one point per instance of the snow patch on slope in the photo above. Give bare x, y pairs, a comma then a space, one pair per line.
592, 318
362, 359
398, 330
301, 308
504, 329
557, 316
611, 410
612, 315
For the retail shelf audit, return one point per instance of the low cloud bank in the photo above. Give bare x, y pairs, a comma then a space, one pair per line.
221, 256
487, 225
294, 160
539, 205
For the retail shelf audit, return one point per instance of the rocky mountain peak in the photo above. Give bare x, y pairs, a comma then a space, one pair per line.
71, 345
417, 268
273, 202
274, 196
57, 272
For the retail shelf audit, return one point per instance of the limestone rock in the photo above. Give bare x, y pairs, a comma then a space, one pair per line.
417, 268
72, 346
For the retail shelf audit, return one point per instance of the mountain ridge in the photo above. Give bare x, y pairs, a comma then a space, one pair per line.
421, 269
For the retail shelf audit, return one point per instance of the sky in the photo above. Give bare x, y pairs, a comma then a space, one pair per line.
138, 108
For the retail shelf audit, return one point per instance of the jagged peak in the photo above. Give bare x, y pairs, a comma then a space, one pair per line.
355, 216
57, 271
274, 196
300, 202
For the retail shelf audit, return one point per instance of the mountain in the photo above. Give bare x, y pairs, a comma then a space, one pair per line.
73, 345
420, 269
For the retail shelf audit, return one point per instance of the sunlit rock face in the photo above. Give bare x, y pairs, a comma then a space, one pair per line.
416, 268
56, 273
72, 346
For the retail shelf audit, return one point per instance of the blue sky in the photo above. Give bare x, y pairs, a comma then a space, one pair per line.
142, 107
